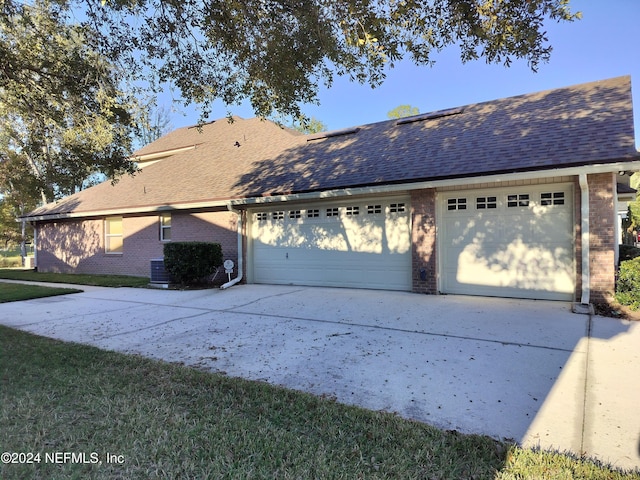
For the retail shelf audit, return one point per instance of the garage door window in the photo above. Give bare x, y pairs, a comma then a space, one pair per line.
483, 203
397, 208
457, 204
262, 216
278, 215
295, 214
549, 198
373, 209
332, 212
313, 213
353, 211
520, 200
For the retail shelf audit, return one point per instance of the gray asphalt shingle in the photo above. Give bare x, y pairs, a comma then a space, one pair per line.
580, 125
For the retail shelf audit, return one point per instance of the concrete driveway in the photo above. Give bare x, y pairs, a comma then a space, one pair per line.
531, 371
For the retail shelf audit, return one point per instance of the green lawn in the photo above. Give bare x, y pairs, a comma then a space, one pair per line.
13, 292
159, 420
78, 279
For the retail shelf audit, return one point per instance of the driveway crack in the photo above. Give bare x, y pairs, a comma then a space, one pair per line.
586, 387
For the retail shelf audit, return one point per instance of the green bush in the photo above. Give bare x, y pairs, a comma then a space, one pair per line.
8, 262
191, 262
628, 284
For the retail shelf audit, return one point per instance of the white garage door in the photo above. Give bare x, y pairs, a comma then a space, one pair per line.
511, 242
364, 244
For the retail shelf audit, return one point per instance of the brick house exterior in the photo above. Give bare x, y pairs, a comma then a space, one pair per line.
538, 153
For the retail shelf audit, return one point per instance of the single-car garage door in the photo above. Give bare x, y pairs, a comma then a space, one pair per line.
363, 243
508, 242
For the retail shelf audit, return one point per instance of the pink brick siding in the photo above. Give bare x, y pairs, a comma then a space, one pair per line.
602, 237
77, 246
423, 241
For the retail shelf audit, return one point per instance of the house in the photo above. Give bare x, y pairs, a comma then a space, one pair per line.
515, 197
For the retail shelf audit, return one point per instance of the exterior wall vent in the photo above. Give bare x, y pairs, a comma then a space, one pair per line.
158, 273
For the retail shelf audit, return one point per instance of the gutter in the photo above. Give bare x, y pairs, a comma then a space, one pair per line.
347, 192
584, 231
240, 266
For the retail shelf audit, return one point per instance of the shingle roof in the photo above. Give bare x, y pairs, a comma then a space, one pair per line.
580, 125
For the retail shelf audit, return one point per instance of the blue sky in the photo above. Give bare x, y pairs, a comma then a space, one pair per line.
603, 44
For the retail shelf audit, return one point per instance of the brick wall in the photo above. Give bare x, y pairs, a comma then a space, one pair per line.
423, 241
78, 246
602, 235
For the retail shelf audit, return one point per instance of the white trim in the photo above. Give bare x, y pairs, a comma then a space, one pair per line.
584, 231
501, 192
108, 236
372, 190
240, 250
163, 227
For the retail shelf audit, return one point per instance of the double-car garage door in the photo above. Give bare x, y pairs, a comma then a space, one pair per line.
363, 244
509, 242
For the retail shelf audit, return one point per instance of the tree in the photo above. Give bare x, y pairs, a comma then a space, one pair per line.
153, 122
277, 53
309, 125
402, 111
20, 190
62, 113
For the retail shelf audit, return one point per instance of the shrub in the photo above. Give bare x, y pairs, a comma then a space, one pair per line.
191, 262
628, 285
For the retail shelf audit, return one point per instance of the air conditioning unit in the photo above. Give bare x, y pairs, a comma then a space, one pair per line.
158, 273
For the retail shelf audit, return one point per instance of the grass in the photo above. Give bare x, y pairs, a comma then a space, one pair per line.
169, 421
13, 292
74, 278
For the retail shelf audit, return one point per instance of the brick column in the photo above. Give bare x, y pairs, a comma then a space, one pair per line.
602, 235
423, 241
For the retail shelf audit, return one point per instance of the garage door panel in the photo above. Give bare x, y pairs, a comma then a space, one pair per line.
341, 245
518, 251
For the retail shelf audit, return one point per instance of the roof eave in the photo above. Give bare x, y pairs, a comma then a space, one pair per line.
613, 166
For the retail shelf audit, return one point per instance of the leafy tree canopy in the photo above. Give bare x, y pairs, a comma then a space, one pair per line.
62, 113
277, 53
402, 111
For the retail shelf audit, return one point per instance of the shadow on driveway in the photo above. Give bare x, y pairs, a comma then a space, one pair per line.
526, 370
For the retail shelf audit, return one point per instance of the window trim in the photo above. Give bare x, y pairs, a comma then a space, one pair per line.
108, 236
164, 227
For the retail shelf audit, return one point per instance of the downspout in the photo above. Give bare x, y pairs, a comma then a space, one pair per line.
240, 268
35, 245
584, 228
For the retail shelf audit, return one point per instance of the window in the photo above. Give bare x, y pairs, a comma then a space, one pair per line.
332, 212
165, 227
486, 202
262, 216
396, 208
457, 204
277, 215
373, 209
521, 200
113, 235
295, 214
555, 198
353, 211
314, 213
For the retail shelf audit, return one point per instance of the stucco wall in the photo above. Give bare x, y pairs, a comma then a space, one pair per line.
77, 246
